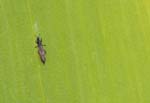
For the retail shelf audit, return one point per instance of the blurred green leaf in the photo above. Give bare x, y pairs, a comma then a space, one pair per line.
97, 51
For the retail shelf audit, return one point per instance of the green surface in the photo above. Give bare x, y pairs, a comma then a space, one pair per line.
98, 51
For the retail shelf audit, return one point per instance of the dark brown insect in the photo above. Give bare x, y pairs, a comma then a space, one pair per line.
41, 50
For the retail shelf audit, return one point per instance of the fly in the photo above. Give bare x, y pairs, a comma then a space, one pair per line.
41, 50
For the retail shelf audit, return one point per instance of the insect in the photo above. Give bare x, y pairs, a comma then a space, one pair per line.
41, 50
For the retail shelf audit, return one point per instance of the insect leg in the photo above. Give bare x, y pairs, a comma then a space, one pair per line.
45, 51
44, 45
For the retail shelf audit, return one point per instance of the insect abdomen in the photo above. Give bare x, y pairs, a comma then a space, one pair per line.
42, 55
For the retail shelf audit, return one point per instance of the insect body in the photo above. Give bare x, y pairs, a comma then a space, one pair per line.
41, 50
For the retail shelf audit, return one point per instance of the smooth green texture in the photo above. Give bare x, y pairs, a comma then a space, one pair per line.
98, 51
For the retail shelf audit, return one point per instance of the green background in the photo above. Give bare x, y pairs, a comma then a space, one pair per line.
98, 51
